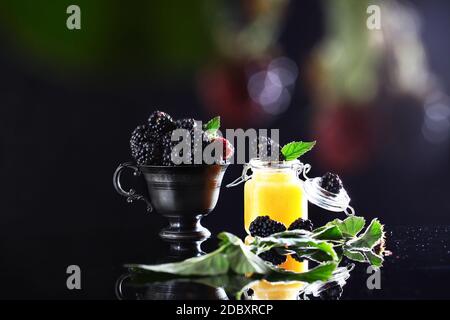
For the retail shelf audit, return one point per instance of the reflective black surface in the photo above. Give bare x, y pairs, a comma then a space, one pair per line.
419, 267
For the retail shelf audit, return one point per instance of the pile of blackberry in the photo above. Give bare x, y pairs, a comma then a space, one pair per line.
263, 226
331, 182
151, 143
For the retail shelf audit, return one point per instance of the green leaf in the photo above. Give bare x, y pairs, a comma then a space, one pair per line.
320, 273
374, 259
369, 238
315, 255
213, 263
325, 245
239, 256
351, 226
355, 255
330, 233
212, 125
228, 238
295, 149
297, 241
243, 261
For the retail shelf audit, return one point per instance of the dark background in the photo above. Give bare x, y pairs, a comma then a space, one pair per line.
70, 99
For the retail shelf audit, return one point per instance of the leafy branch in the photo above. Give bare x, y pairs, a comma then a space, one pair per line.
326, 245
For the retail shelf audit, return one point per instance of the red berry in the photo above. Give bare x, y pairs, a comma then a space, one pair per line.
228, 148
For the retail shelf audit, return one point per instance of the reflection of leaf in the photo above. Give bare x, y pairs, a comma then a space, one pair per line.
320, 273
232, 284
369, 238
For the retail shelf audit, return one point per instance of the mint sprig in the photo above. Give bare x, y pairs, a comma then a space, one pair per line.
212, 125
295, 149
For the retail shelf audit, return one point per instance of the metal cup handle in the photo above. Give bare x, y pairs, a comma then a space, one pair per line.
131, 194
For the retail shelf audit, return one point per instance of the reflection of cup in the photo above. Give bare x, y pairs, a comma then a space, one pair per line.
137, 287
182, 194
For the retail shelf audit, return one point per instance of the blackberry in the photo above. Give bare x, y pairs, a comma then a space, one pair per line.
331, 182
263, 226
160, 122
273, 257
188, 124
167, 149
332, 292
301, 224
167, 146
139, 136
167, 158
148, 154
200, 141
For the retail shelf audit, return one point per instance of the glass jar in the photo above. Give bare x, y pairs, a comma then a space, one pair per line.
275, 190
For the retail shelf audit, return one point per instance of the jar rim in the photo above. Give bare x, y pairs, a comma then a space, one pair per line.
257, 163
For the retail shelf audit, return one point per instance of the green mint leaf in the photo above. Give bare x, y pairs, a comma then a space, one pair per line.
371, 237
212, 125
295, 149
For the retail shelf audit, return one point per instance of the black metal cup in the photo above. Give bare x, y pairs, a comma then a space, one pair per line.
183, 194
